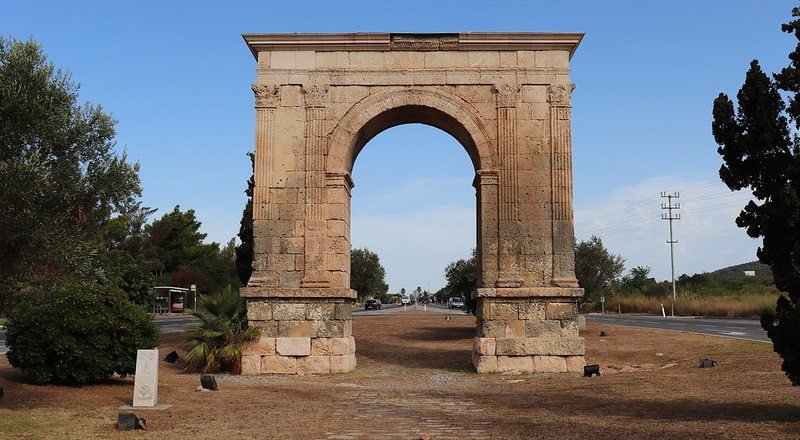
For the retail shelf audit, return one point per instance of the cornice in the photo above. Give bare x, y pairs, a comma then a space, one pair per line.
384, 41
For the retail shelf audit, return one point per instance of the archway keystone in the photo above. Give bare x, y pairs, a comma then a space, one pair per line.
319, 98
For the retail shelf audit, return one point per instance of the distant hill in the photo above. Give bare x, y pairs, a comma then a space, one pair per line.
737, 271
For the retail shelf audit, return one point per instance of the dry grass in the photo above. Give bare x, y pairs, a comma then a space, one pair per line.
414, 380
723, 306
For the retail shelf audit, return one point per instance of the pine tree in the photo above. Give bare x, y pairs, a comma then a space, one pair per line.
244, 252
761, 153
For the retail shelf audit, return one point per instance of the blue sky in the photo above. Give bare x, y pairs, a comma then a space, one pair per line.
176, 76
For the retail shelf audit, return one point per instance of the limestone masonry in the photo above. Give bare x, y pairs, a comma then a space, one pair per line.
319, 98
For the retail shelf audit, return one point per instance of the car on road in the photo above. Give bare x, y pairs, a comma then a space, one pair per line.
373, 304
455, 302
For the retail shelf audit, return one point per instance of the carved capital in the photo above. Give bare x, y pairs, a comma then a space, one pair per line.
507, 95
560, 94
267, 95
315, 95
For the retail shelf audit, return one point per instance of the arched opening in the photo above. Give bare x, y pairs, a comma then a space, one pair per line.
413, 205
421, 114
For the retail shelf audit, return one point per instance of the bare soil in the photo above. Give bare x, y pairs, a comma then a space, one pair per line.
415, 380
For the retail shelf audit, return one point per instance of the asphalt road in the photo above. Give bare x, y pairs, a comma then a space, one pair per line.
398, 308
748, 329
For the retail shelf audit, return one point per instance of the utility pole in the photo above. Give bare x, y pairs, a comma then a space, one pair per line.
669, 206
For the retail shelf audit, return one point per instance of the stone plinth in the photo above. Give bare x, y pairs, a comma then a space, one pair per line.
299, 334
528, 334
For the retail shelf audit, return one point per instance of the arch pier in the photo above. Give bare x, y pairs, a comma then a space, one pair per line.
319, 98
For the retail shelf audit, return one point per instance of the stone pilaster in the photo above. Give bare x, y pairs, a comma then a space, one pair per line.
486, 183
267, 98
315, 270
558, 95
508, 190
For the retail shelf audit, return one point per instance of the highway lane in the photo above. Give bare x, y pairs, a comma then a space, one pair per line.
748, 329
398, 308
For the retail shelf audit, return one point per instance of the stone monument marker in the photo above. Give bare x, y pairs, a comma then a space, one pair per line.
145, 388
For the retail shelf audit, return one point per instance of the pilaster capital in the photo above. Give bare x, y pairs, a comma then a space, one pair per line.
507, 94
560, 94
315, 95
266, 95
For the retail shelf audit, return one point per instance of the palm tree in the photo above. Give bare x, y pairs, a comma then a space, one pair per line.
221, 333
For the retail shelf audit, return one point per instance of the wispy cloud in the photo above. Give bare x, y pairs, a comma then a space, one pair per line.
629, 222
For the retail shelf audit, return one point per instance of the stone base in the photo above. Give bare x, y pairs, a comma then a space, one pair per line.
299, 356
528, 364
528, 335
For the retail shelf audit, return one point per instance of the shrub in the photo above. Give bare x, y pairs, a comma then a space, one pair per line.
78, 333
221, 334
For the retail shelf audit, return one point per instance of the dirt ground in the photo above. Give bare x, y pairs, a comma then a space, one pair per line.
415, 380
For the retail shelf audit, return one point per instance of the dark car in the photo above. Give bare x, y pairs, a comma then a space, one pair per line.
373, 304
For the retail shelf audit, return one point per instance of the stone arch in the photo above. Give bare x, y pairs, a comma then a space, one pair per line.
319, 98
380, 111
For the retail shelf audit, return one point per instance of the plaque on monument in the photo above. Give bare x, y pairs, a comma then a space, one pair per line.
145, 385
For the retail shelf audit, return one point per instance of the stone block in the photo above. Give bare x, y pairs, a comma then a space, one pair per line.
293, 346
575, 364
485, 364
557, 346
329, 329
340, 346
515, 328
278, 365
251, 365
314, 365
484, 346
296, 329
264, 346
550, 364
343, 364
532, 310
492, 329
561, 310
483, 310
259, 310
537, 329
552, 58
506, 311
520, 364
320, 311
289, 312
268, 328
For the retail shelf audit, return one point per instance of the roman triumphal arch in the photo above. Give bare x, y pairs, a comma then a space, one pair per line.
319, 98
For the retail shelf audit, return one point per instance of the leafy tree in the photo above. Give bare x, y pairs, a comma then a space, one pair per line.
596, 268
761, 152
244, 252
638, 280
78, 333
367, 274
176, 254
461, 276
221, 334
60, 178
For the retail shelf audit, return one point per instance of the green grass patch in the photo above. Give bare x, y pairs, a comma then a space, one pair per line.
3, 321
